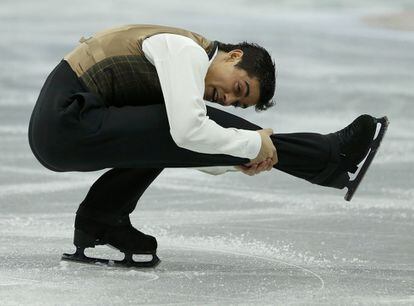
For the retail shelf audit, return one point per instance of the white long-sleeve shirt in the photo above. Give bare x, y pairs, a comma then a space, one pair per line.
181, 66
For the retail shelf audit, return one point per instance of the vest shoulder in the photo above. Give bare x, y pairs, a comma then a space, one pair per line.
124, 40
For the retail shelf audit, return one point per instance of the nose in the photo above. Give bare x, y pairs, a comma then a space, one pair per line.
229, 99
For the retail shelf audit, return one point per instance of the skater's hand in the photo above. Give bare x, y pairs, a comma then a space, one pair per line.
256, 168
266, 158
267, 150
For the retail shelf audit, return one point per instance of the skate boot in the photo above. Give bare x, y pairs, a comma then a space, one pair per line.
122, 236
358, 144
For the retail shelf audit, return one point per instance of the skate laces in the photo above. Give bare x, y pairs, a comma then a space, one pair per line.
345, 136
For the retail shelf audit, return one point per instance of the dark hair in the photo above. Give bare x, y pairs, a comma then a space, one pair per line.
256, 61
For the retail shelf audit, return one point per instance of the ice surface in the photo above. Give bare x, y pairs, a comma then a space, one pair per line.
228, 239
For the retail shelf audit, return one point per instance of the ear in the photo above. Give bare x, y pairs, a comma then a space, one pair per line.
235, 55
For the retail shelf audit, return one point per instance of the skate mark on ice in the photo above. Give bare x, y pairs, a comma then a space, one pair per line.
150, 277
16, 281
322, 282
320, 232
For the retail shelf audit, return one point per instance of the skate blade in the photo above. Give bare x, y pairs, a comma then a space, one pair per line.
353, 184
127, 262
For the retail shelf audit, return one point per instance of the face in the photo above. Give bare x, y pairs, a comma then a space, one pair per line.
228, 85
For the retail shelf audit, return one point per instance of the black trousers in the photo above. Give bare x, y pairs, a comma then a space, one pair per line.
72, 129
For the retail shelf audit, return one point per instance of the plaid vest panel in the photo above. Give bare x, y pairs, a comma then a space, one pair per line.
112, 64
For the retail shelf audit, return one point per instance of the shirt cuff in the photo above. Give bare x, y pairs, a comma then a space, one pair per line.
254, 143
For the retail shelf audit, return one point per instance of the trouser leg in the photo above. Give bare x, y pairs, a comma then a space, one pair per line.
311, 156
115, 194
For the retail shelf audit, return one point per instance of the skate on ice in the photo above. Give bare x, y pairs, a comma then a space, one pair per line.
124, 237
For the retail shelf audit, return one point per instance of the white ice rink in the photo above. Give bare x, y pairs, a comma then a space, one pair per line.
229, 239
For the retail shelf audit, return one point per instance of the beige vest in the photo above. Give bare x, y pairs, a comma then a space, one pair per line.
123, 40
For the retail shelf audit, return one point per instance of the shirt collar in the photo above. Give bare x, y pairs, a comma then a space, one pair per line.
214, 55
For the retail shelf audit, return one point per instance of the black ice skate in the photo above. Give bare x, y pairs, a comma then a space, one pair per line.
358, 144
125, 238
